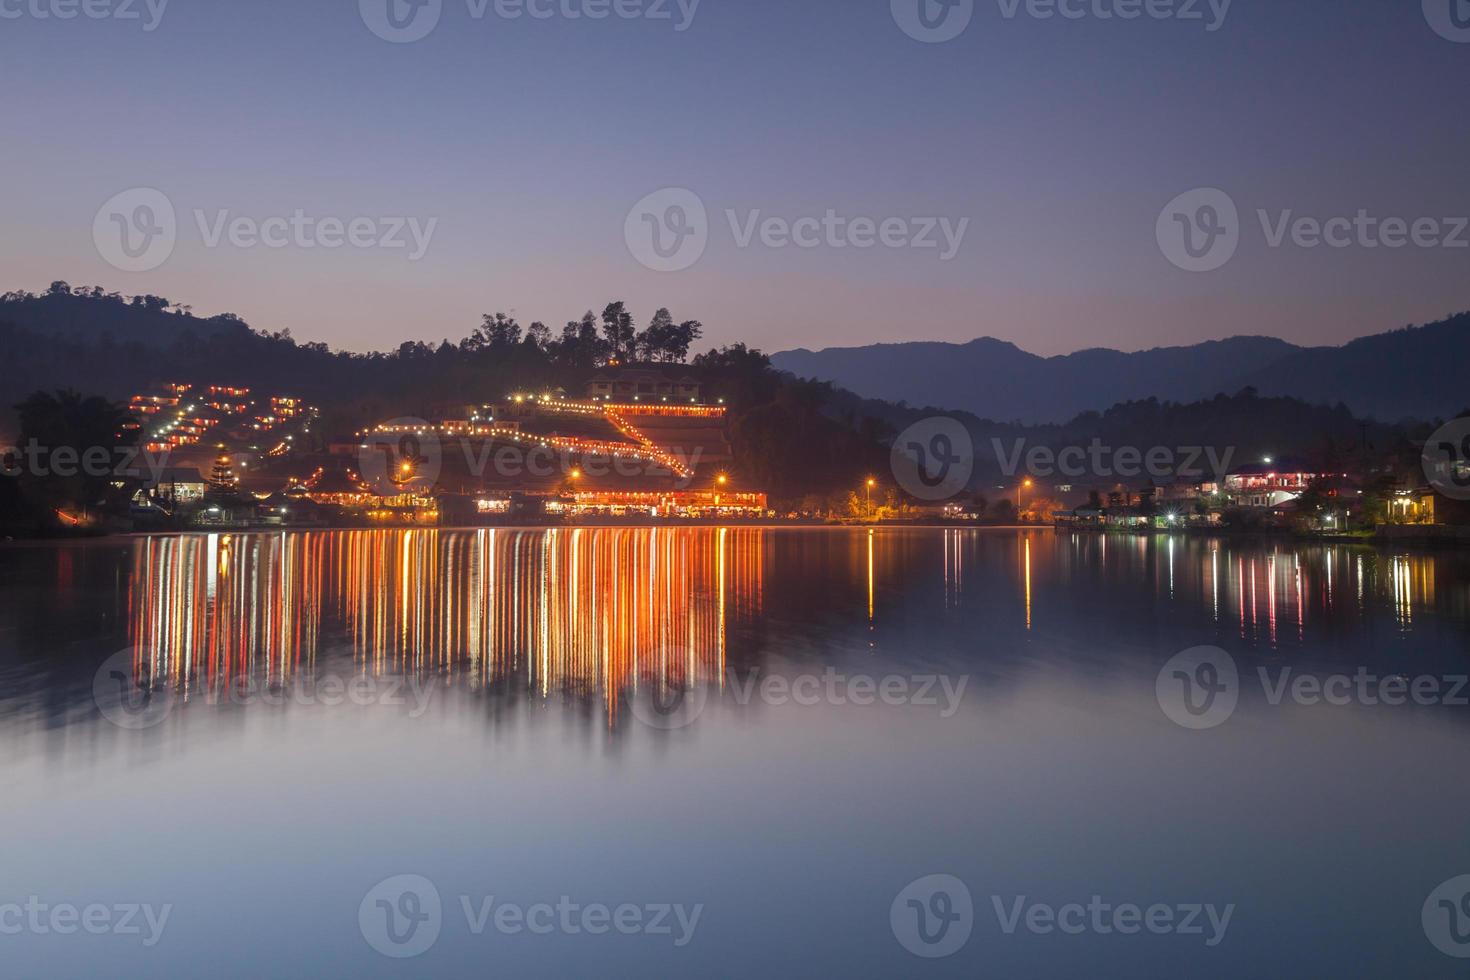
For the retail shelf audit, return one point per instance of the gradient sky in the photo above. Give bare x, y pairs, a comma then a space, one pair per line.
530, 141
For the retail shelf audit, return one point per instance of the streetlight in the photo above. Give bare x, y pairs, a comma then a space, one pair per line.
1021, 495
868, 496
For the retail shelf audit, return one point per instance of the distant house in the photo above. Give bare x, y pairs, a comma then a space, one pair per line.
642, 384
178, 484
1270, 484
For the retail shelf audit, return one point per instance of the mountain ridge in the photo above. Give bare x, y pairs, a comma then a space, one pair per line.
1409, 372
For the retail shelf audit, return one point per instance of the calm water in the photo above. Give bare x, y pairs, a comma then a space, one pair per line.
776, 731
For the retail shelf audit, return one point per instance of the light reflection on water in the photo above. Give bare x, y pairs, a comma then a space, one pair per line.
597, 614
531, 777
558, 612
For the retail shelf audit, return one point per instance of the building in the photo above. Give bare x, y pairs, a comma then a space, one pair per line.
176, 485
642, 384
1270, 484
667, 503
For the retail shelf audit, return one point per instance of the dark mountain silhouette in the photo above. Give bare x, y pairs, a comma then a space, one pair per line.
1406, 373
90, 314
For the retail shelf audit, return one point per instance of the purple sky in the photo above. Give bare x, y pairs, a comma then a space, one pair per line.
529, 140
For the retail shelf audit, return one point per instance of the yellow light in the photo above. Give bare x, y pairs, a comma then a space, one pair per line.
722, 479
872, 483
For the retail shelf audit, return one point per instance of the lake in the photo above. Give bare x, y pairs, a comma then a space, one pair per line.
736, 752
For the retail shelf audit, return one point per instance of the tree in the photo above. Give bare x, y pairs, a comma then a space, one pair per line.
652, 344
617, 328
76, 441
499, 331
681, 338
539, 335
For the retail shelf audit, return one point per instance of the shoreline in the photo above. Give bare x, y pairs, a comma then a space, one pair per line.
1428, 537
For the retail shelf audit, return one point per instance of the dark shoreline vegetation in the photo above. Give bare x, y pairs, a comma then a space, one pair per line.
807, 443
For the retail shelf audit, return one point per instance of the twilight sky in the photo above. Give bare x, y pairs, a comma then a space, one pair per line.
529, 140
